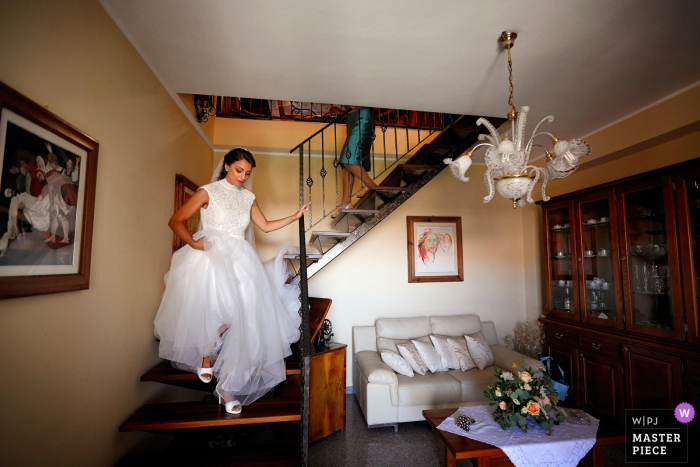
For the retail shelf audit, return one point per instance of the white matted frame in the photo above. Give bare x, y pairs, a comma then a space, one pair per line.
434, 249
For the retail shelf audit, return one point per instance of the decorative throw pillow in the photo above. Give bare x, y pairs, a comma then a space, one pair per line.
447, 356
396, 363
430, 356
459, 347
410, 354
479, 350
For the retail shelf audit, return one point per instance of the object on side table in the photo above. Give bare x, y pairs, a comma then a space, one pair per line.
323, 338
464, 422
521, 395
575, 416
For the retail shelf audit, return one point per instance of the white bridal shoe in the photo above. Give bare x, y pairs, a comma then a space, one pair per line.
205, 371
229, 405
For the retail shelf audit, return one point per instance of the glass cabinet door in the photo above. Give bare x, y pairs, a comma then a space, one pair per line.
688, 195
599, 272
653, 275
562, 299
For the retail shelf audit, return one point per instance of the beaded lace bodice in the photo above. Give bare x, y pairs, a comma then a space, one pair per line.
228, 208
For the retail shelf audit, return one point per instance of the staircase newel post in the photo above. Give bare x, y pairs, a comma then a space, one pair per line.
305, 338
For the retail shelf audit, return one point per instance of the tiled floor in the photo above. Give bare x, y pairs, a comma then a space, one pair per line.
414, 445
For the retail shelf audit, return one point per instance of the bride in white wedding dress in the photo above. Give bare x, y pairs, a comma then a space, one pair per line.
223, 313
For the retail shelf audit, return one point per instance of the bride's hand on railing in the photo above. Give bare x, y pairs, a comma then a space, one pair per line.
302, 210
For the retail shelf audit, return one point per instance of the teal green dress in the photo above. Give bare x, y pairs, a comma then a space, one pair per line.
360, 123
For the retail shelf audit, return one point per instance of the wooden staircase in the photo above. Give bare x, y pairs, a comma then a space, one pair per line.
397, 187
196, 419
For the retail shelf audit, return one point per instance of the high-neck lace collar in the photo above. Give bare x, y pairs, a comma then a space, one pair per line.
226, 183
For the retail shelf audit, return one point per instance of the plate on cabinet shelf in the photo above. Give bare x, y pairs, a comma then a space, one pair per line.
561, 257
558, 229
591, 222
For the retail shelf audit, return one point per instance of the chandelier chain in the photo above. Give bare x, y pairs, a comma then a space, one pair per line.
510, 79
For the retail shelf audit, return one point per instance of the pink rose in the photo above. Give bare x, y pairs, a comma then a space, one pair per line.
502, 405
525, 376
527, 387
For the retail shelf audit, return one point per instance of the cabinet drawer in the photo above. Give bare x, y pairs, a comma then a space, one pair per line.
595, 345
560, 336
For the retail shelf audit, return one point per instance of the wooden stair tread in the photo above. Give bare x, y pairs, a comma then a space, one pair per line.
164, 371
361, 212
327, 234
386, 188
416, 167
278, 455
177, 415
311, 256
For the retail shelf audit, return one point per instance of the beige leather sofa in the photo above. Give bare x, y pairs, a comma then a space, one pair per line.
388, 398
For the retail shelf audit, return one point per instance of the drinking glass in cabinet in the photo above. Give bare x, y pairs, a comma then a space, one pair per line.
560, 248
648, 258
598, 266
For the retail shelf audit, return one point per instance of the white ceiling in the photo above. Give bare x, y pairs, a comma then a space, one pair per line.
587, 62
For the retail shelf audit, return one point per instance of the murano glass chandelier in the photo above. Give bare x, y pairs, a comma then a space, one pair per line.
507, 161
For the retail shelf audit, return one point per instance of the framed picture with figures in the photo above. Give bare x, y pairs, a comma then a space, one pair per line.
434, 249
184, 190
48, 171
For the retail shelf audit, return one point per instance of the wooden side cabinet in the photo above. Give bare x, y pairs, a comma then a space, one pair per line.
327, 391
602, 388
653, 379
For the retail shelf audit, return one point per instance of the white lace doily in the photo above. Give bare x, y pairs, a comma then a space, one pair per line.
567, 445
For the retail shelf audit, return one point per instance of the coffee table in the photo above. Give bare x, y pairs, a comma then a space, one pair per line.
488, 455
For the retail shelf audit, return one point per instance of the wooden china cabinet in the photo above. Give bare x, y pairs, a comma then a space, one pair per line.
622, 264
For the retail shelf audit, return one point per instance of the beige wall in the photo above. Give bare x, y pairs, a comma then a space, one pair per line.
71, 362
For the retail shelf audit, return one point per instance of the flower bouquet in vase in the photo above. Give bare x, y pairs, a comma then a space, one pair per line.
518, 396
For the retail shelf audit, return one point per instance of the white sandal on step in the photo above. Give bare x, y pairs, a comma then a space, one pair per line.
229, 406
205, 371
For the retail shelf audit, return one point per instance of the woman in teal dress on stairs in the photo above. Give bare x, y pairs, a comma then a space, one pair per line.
356, 155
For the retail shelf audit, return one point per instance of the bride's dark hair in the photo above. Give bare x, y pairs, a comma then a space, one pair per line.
233, 156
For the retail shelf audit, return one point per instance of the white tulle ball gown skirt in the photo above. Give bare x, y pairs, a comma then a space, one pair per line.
223, 302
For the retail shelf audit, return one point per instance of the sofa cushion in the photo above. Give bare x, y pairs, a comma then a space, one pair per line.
431, 389
396, 363
384, 343
403, 328
456, 325
447, 356
459, 347
430, 356
474, 382
479, 350
409, 352
374, 369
